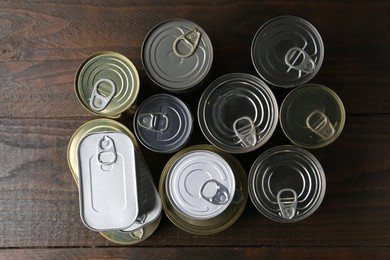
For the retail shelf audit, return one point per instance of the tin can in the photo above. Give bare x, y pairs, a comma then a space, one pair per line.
312, 116
238, 113
149, 208
107, 84
177, 55
203, 190
286, 183
163, 123
287, 51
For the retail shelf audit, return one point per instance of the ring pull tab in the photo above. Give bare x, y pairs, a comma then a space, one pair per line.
320, 124
214, 192
191, 38
137, 234
246, 132
156, 122
106, 153
287, 205
97, 101
294, 60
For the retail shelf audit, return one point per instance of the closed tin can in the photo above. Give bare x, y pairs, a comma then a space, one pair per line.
203, 190
312, 116
163, 123
287, 51
148, 200
286, 183
238, 113
107, 84
177, 55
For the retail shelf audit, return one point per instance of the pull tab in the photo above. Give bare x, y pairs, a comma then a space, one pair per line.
156, 122
106, 153
246, 132
320, 124
137, 234
191, 38
287, 205
97, 101
214, 192
305, 63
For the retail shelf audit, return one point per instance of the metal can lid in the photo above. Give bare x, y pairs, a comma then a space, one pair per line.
107, 181
312, 116
163, 123
200, 184
238, 113
286, 183
287, 51
177, 55
107, 84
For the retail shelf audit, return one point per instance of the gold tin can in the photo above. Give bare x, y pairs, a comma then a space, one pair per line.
217, 222
101, 126
107, 84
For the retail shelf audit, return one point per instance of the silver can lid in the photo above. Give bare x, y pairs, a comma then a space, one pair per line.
107, 181
287, 51
177, 55
163, 123
286, 183
200, 184
238, 113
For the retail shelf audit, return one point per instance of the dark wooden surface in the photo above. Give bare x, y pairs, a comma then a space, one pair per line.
42, 42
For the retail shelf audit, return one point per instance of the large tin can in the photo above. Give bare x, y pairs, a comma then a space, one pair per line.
286, 183
177, 55
312, 116
203, 190
107, 84
238, 113
163, 123
149, 203
287, 51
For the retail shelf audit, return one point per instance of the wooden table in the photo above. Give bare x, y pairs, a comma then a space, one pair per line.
42, 43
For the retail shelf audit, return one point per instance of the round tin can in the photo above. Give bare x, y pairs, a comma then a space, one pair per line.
203, 190
238, 113
286, 183
108, 125
163, 123
312, 116
287, 51
177, 55
107, 84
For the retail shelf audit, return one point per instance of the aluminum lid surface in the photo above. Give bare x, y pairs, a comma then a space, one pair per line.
107, 181
107, 84
238, 113
286, 183
200, 184
287, 51
177, 55
163, 123
312, 116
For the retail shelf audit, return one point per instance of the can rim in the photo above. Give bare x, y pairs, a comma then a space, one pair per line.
339, 129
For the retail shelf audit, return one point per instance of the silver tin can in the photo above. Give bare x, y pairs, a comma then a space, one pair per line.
177, 55
312, 116
163, 123
287, 51
238, 113
286, 183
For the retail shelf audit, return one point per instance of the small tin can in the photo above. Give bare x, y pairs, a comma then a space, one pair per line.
286, 183
148, 200
287, 51
238, 113
203, 190
163, 123
107, 84
177, 55
312, 116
